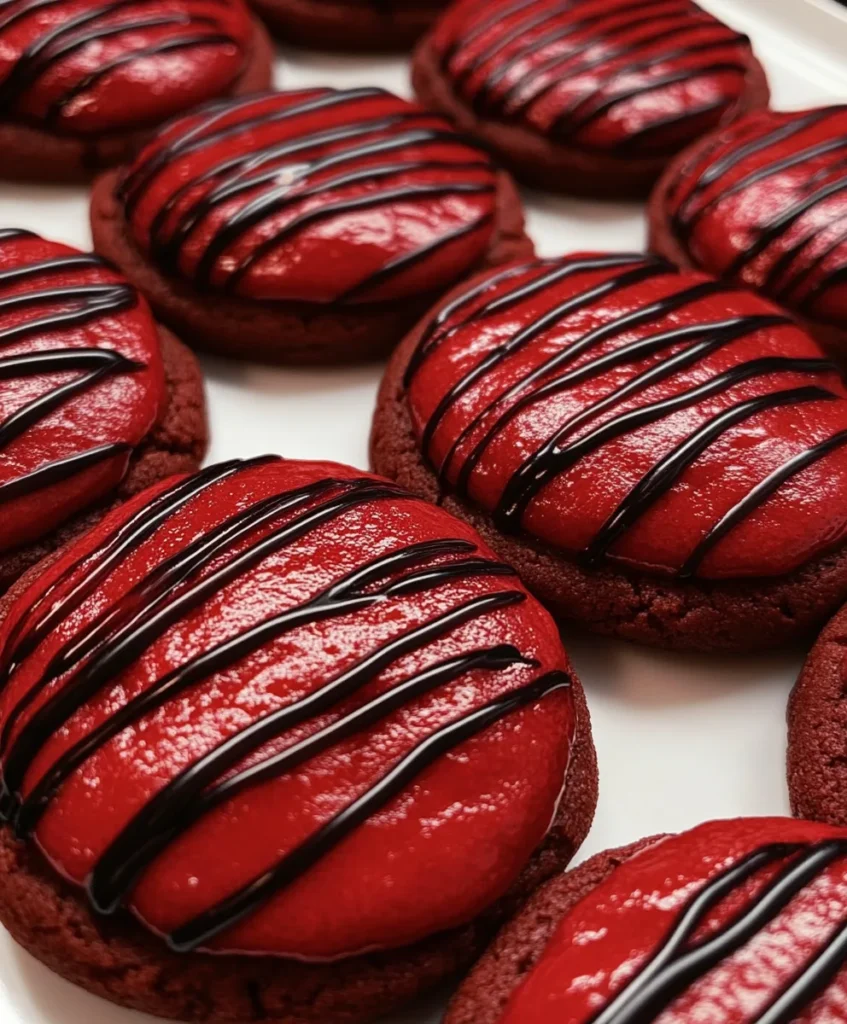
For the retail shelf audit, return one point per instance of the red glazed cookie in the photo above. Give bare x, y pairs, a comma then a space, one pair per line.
358, 25
83, 82
592, 98
734, 922
312, 226
96, 402
764, 202
330, 683
661, 455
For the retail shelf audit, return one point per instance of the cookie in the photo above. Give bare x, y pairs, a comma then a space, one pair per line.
737, 921
591, 98
330, 683
84, 84
305, 227
97, 402
764, 202
355, 25
661, 455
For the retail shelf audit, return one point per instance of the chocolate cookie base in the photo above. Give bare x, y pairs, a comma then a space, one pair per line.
697, 615
281, 332
519, 946
663, 242
367, 27
817, 730
31, 154
176, 445
541, 161
118, 959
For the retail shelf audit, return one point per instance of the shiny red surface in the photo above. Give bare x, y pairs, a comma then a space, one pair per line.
803, 266
117, 409
807, 515
535, 60
49, 46
607, 937
468, 824
324, 258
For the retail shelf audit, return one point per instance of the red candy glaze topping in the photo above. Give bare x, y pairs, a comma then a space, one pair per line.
91, 67
734, 922
332, 684
318, 196
765, 202
631, 78
82, 383
620, 410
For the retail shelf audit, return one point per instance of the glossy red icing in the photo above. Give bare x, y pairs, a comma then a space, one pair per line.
316, 195
634, 78
470, 821
765, 202
118, 409
800, 519
602, 943
92, 67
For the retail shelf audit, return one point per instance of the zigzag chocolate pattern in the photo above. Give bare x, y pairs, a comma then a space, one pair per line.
679, 963
189, 29
297, 166
80, 304
112, 642
795, 275
556, 374
562, 40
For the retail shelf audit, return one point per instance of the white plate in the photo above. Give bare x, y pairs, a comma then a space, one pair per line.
680, 739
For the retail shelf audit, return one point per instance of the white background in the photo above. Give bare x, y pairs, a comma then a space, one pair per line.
679, 739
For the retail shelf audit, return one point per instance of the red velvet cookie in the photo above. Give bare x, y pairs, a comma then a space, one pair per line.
331, 684
96, 401
764, 202
358, 25
817, 749
312, 226
594, 97
661, 455
733, 922
84, 82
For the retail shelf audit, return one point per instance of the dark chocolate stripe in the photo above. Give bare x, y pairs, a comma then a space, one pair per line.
679, 963
668, 470
59, 471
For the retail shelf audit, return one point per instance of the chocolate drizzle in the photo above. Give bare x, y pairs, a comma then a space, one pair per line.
57, 309
572, 40
557, 373
296, 166
116, 638
105, 21
681, 961
788, 238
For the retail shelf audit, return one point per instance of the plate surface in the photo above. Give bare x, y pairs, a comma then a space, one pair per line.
680, 739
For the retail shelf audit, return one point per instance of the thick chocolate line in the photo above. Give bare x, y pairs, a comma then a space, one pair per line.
95, 657
553, 457
679, 963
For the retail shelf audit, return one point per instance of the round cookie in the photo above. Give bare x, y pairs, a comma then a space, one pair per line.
738, 921
350, 25
764, 202
591, 98
662, 456
83, 83
817, 780
330, 683
305, 227
97, 402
